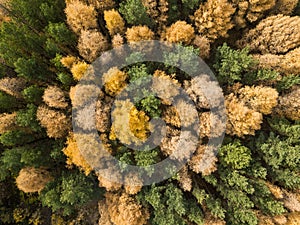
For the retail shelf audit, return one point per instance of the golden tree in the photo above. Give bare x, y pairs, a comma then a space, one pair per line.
289, 104
285, 7
251, 11
78, 69
259, 98
129, 124
91, 44
102, 5
74, 156
12, 86
55, 97
117, 40
213, 19
139, 33
204, 160
276, 34
286, 64
203, 44
68, 61
124, 210
114, 22
158, 11
180, 32
114, 81
240, 119
32, 179
57, 124
165, 86
80, 16
8, 122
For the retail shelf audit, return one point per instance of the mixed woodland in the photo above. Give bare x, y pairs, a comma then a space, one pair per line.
253, 49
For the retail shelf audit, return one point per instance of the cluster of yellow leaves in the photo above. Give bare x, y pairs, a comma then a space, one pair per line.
259, 98
251, 11
165, 86
74, 156
77, 67
91, 44
114, 22
114, 81
129, 124
139, 33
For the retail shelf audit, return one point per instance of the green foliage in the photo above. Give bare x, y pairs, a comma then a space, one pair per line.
287, 82
61, 34
191, 3
56, 153
235, 155
38, 13
150, 104
65, 79
27, 118
138, 72
17, 40
135, 13
185, 58
286, 128
8, 103
285, 177
33, 94
33, 155
260, 75
16, 138
173, 11
169, 204
147, 157
265, 200
31, 69
232, 64
279, 153
10, 163
69, 192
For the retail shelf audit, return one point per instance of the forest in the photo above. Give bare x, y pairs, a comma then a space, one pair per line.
236, 127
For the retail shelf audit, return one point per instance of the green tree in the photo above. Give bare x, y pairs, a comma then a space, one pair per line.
135, 13
69, 192
8, 103
27, 118
232, 64
33, 94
